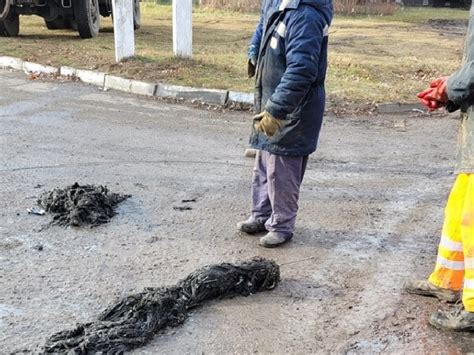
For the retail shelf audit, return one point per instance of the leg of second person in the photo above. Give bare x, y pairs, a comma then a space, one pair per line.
457, 319
446, 280
467, 233
261, 207
284, 174
449, 270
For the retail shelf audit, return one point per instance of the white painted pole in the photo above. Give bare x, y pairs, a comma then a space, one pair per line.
123, 29
183, 28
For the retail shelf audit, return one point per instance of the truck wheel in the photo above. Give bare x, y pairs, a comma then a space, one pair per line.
10, 27
86, 13
136, 14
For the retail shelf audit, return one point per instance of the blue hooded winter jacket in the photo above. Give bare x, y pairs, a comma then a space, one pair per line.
268, 7
291, 72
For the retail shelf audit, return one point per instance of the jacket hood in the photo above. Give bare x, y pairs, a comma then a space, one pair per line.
293, 4
324, 6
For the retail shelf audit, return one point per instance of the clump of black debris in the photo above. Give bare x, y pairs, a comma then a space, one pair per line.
133, 321
81, 205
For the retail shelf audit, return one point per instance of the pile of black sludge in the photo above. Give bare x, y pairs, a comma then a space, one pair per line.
81, 205
133, 321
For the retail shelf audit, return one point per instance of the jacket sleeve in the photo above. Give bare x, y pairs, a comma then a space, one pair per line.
303, 41
254, 45
460, 85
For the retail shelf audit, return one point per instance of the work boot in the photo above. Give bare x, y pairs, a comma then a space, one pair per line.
252, 225
426, 288
250, 153
274, 239
455, 319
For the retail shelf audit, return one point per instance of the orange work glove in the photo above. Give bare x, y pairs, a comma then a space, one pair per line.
436, 95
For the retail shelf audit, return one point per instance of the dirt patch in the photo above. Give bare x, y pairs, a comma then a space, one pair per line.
134, 320
81, 205
449, 27
9, 244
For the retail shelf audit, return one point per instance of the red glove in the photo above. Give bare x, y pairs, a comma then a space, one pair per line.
426, 99
436, 95
440, 90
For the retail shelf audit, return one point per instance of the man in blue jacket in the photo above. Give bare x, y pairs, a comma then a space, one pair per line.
268, 7
292, 40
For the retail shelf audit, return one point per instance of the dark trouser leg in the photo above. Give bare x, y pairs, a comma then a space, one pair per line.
284, 177
261, 207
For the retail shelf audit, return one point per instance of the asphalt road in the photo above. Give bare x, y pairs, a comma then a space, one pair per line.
370, 218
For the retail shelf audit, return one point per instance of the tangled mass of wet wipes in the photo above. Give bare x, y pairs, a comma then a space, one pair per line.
133, 321
81, 205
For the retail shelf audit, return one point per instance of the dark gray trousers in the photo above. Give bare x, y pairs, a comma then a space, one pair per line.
275, 190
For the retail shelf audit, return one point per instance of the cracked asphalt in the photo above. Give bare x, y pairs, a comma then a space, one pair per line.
370, 218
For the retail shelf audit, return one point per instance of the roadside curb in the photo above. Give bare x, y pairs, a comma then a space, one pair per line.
240, 97
86, 76
136, 87
224, 98
210, 96
30, 67
11, 63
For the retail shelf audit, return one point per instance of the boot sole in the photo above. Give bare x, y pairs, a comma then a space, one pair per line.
469, 329
273, 245
250, 230
253, 231
453, 299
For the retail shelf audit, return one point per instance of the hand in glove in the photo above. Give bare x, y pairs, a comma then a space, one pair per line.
436, 95
251, 67
252, 54
430, 104
266, 123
